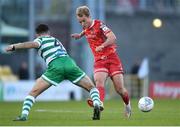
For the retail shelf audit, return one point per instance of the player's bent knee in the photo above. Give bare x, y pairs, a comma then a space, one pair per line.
99, 83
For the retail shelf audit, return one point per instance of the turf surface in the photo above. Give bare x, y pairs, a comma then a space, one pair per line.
77, 113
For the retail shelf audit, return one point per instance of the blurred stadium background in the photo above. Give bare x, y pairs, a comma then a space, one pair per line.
148, 39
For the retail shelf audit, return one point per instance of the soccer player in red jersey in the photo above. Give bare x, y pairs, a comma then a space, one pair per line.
106, 61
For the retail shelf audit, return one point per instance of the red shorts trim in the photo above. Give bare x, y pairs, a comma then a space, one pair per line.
101, 70
116, 72
111, 65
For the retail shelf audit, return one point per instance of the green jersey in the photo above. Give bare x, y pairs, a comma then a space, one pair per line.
50, 48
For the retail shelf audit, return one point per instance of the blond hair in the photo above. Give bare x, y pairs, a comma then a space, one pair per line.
83, 10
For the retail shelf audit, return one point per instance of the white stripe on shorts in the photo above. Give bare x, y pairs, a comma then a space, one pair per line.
50, 81
79, 78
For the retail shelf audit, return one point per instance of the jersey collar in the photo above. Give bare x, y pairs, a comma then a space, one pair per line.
92, 24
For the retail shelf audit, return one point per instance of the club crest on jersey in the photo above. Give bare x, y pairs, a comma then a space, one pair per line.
91, 34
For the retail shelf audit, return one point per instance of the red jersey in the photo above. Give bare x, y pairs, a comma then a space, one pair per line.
96, 35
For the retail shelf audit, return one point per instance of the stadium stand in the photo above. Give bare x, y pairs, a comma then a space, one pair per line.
137, 38
6, 74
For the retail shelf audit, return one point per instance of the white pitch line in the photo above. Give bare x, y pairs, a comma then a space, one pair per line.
57, 111
69, 111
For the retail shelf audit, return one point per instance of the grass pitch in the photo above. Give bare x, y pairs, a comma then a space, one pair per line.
77, 113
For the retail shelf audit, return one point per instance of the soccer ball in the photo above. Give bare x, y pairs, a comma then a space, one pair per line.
145, 104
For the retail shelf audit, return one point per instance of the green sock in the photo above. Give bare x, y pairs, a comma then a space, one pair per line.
94, 93
28, 103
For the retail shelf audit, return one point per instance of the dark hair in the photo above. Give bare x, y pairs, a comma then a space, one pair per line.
42, 28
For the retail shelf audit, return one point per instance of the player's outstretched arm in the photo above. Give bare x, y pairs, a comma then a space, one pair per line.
24, 45
77, 35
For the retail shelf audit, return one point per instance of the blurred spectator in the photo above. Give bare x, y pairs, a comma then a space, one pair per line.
135, 68
125, 6
39, 70
136, 82
23, 71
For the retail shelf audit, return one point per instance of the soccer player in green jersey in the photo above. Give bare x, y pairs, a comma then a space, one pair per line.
59, 67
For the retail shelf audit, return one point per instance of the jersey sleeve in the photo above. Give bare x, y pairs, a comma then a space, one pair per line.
39, 41
104, 28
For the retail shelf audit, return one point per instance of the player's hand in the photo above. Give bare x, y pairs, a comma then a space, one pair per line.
76, 36
10, 48
99, 48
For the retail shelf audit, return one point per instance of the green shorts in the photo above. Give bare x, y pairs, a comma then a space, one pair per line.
62, 68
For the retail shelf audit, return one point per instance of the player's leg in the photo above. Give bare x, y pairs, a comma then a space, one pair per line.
100, 78
116, 74
87, 84
78, 77
52, 76
40, 86
121, 90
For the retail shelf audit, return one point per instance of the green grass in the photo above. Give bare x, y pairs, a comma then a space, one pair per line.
165, 113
